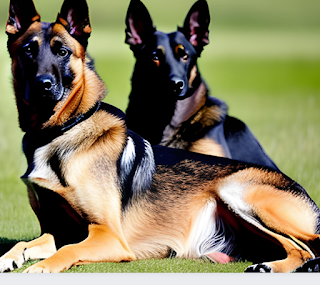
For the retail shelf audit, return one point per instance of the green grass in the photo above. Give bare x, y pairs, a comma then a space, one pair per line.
155, 266
263, 60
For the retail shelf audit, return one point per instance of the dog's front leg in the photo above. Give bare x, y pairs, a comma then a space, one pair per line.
40, 248
102, 245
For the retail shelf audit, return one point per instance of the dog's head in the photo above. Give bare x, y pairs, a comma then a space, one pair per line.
49, 64
169, 57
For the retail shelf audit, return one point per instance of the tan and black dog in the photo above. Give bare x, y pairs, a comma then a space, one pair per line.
169, 103
102, 193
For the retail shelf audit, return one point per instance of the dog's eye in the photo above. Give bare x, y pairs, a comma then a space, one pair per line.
29, 49
155, 58
62, 52
181, 53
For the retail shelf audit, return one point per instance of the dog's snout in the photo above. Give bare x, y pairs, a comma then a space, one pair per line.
44, 83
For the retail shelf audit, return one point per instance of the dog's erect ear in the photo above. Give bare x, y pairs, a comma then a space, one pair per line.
74, 16
22, 13
196, 25
139, 24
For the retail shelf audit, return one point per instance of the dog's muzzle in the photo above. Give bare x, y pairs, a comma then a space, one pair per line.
47, 88
179, 88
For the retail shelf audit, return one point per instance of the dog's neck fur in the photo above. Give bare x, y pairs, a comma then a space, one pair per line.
189, 125
189, 106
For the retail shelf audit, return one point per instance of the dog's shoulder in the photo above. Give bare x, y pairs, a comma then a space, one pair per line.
79, 134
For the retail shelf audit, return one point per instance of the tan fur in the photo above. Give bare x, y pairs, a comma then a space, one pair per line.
193, 75
102, 244
63, 21
282, 211
35, 18
156, 222
207, 146
11, 29
208, 116
40, 248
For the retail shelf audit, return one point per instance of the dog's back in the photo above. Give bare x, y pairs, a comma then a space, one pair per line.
169, 103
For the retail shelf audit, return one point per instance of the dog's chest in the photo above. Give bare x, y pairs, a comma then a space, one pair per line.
44, 168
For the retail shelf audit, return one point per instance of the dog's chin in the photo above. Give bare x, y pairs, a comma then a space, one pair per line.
58, 95
52, 97
185, 94
39, 100
41, 107
39, 116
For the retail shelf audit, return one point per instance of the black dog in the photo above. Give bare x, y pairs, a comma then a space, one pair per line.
169, 102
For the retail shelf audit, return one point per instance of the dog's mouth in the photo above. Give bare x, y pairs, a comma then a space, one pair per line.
40, 97
186, 93
40, 104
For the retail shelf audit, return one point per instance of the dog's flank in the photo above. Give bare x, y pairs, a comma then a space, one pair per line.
169, 103
104, 194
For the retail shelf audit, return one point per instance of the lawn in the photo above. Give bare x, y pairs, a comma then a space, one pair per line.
263, 60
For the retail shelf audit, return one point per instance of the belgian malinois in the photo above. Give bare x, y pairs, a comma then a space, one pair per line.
169, 103
102, 193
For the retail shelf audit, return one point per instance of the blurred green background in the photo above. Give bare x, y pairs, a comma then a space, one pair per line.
263, 60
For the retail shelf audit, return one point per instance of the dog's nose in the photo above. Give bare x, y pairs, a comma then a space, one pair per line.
44, 83
178, 86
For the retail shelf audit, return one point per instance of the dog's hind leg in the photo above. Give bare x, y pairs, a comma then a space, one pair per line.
40, 248
102, 245
288, 216
291, 219
296, 256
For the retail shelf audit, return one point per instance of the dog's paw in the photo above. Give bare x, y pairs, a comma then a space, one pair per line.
37, 268
312, 265
47, 266
260, 268
10, 264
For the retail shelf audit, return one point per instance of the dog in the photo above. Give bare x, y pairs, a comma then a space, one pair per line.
102, 193
169, 103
